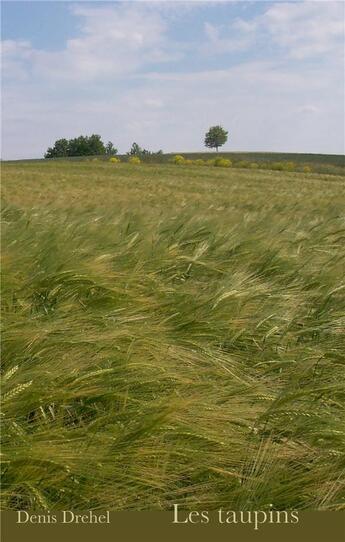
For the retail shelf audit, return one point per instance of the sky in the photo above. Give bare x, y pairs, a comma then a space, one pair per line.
162, 73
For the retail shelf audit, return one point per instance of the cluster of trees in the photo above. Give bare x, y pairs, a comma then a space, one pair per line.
214, 138
94, 146
81, 146
135, 150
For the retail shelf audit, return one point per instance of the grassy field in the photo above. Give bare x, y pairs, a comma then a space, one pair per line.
172, 335
331, 164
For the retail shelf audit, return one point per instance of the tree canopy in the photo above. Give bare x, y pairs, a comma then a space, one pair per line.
136, 150
81, 146
216, 137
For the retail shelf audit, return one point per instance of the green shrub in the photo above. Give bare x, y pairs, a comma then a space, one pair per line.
282, 166
200, 162
289, 166
210, 162
242, 164
254, 165
307, 169
277, 166
135, 160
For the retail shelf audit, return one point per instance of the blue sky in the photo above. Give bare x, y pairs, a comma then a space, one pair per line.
161, 73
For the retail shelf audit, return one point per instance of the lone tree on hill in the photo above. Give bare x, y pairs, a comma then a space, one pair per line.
216, 137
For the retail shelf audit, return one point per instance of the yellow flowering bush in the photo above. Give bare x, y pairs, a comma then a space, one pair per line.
200, 162
179, 160
307, 169
134, 160
222, 162
114, 160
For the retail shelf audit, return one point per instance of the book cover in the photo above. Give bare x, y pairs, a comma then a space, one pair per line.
173, 292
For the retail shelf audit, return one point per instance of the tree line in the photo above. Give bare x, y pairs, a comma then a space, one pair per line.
81, 146
94, 146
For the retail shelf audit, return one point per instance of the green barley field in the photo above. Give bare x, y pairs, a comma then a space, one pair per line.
172, 335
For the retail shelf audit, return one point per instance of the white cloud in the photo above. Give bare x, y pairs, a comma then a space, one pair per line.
113, 42
217, 43
307, 29
302, 29
308, 109
16, 57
